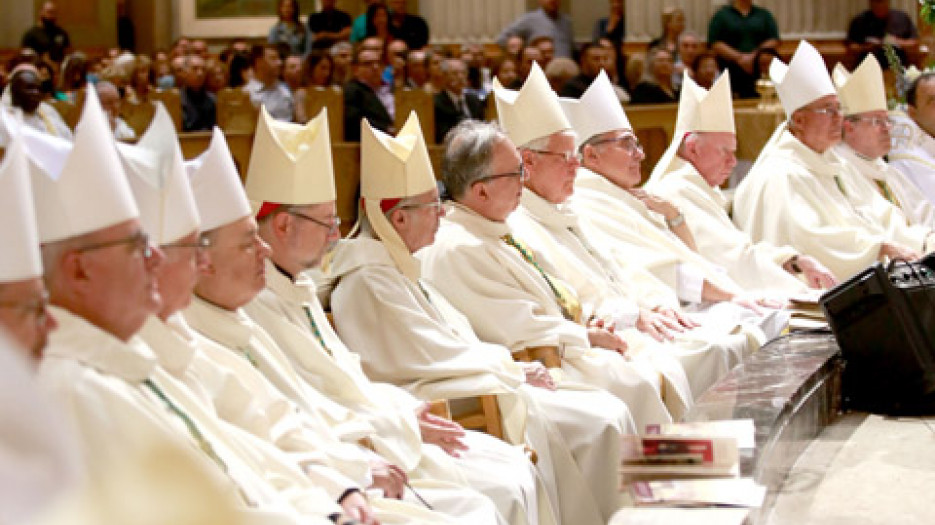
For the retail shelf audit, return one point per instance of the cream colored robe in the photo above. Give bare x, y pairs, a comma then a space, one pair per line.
509, 303
435, 475
791, 197
38, 451
866, 198
244, 398
99, 382
913, 156
283, 310
560, 244
428, 347
753, 266
626, 230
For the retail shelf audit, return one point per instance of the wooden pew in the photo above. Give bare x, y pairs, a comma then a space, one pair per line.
331, 98
172, 100
420, 101
138, 115
236, 112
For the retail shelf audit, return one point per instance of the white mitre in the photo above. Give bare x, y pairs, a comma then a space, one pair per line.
700, 110
19, 238
803, 81
862, 90
79, 189
159, 182
219, 194
597, 111
532, 112
394, 168
290, 163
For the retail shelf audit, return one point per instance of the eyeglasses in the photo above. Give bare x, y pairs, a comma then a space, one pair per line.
630, 143
521, 174
37, 308
201, 244
567, 156
139, 241
879, 122
332, 226
435, 205
834, 111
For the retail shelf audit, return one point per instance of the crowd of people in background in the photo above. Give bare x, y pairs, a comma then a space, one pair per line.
386, 49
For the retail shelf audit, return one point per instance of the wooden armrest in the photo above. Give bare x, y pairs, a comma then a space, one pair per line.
547, 355
440, 408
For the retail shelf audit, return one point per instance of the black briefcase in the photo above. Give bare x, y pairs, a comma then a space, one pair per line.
884, 322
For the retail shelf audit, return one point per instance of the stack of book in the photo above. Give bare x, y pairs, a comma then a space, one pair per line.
688, 473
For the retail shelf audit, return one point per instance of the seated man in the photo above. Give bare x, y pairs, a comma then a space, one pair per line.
291, 187
39, 457
690, 175
168, 207
198, 104
913, 151
865, 141
425, 345
360, 95
99, 270
24, 92
794, 194
636, 228
511, 298
24, 313
233, 275
560, 241
453, 103
265, 88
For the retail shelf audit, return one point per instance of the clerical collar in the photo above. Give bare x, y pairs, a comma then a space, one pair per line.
283, 271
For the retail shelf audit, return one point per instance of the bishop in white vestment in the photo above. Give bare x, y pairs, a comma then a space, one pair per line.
690, 173
796, 193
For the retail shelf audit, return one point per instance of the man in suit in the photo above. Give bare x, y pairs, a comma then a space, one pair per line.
453, 104
360, 96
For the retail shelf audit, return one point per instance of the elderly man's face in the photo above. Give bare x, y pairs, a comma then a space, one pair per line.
110, 102
313, 230
504, 184
616, 155
234, 272
422, 218
715, 156
24, 314
455, 76
26, 91
818, 124
177, 276
118, 277
552, 170
869, 133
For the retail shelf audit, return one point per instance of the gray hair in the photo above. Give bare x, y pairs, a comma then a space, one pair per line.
446, 64
468, 154
340, 46
542, 143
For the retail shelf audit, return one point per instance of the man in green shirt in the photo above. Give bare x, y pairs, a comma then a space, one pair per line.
737, 33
